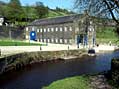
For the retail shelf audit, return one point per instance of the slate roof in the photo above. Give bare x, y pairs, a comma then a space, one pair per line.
57, 20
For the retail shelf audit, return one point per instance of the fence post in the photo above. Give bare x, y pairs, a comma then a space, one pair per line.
40, 48
68, 47
10, 35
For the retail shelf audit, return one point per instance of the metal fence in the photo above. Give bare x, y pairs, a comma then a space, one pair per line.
11, 33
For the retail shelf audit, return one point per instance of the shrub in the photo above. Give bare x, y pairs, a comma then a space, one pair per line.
115, 70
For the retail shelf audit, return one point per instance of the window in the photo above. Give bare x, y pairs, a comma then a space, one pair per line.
48, 30
41, 30
41, 40
33, 29
70, 41
61, 41
70, 28
56, 40
65, 40
44, 29
27, 28
52, 29
48, 40
27, 36
65, 29
56, 29
52, 40
60, 28
37, 30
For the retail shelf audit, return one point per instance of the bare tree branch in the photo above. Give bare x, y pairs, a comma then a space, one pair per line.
104, 8
112, 14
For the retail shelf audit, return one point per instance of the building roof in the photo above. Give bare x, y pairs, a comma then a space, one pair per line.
57, 20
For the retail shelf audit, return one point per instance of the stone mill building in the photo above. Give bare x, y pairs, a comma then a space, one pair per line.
73, 29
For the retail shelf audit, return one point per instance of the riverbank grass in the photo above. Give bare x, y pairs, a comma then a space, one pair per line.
78, 82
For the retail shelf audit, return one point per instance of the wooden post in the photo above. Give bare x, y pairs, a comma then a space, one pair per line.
0, 53
40, 48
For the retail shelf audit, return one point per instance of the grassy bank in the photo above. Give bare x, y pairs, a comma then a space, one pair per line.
78, 82
106, 34
18, 43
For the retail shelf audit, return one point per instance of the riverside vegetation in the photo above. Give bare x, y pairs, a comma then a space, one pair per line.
105, 80
77, 82
81, 82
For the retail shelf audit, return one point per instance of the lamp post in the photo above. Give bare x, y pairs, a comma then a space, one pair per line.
10, 34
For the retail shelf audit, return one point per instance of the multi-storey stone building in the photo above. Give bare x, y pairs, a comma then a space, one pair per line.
61, 30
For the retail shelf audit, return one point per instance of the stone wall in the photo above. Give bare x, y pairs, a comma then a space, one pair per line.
56, 33
18, 61
7, 32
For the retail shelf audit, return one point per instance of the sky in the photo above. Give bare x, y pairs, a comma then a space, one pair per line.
66, 4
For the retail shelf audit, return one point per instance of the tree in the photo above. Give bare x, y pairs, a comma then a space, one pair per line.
102, 8
15, 10
2, 8
41, 10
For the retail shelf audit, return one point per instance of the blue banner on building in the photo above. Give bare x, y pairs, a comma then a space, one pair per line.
33, 35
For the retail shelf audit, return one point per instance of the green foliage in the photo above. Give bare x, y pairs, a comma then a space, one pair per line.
106, 34
78, 82
1, 9
23, 15
15, 10
113, 75
41, 10
115, 70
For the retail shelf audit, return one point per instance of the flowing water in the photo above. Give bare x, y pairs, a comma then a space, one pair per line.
42, 74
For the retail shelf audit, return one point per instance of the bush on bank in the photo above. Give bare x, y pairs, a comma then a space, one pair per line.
115, 70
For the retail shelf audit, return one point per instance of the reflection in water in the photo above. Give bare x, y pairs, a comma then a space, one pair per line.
42, 74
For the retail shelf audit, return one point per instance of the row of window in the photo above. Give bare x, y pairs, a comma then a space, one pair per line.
56, 40
54, 29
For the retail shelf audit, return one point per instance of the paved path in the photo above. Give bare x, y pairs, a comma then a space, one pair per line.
8, 50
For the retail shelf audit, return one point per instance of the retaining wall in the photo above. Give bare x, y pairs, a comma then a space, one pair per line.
18, 61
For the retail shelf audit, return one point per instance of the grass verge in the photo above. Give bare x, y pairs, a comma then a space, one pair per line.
19, 43
78, 82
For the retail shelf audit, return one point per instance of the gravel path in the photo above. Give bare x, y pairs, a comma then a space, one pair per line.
99, 82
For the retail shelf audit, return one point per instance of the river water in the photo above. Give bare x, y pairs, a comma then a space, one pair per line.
42, 74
